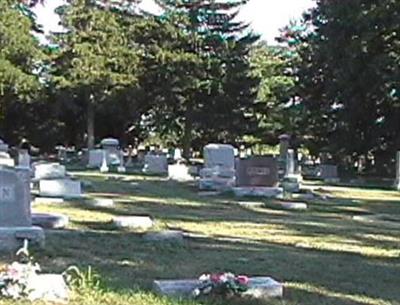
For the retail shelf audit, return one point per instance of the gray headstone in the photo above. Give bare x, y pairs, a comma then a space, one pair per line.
328, 171
14, 199
268, 192
48, 288
219, 155
155, 164
257, 171
24, 159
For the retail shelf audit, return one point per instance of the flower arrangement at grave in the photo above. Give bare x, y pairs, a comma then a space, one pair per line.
15, 278
221, 284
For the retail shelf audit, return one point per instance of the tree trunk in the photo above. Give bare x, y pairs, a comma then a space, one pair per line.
90, 123
187, 138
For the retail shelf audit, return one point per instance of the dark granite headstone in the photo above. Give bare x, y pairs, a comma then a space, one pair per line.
257, 171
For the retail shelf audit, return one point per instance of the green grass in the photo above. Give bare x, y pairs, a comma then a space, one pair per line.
322, 255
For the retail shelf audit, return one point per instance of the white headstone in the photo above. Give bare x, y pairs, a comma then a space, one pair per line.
219, 155
49, 171
24, 159
179, 172
64, 188
104, 168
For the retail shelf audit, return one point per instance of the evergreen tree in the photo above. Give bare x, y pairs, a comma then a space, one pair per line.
20, 57
96, 60
211, 97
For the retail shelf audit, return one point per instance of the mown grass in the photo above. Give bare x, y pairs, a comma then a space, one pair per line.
322, 255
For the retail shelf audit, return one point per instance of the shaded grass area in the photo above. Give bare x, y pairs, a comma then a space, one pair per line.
322, 255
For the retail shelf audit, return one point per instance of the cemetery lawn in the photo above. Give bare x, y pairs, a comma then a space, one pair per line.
322, 255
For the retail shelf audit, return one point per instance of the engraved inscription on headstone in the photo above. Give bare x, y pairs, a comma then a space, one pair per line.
257, 171
7, 193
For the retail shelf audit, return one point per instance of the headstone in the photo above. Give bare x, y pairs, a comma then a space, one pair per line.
50, 221
64, 188
219, 171
284, 141
397, 181
15, 212
14, 200
49, 171
259, 288
50, 288
24, 159
47, 200
102, 202
177, 154
134, 222
111, 146
290, 163
179, 172
95, 158
294, 205
257, 171
328, 172
170, 236
121, 167
104, 167
221, 155
3, 146
155, 164
61, 152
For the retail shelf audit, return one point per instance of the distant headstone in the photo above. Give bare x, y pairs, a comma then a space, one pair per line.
256, 191
121, 167
134, 222
397, 181
155, 164
284, 141
49, 171
170, 236
50, 221
95, 158
257, 171
64, 188
328, 172
294, 205
102, 202
104, 167
177, 154
3, 146
24, 159
111, 146
179, 172
221, 155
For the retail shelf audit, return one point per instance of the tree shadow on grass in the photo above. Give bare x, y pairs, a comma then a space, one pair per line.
312, 276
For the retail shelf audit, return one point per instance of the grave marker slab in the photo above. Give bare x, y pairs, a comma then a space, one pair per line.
259, 287
134, 222
64, 188
49, 171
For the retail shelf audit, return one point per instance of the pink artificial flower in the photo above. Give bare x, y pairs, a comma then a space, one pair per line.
242, 280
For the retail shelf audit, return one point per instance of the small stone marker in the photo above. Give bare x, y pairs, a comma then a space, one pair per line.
155, 164
269, 192
49, 288
104, 167
47, 200
49, 171
259, 287
170, 236
294, 205
24, 159
134, 222
102, 202
50, 221
64, 188
250, 204
179, 172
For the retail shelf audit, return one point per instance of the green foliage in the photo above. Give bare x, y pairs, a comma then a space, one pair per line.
348, 77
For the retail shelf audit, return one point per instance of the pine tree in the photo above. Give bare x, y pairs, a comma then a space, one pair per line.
96, 59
